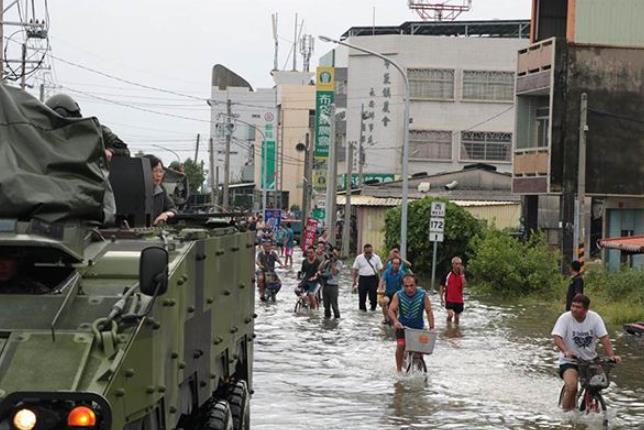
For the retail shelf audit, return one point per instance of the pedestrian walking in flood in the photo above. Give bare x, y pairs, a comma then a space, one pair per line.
452, 286
366, 274
390, 283
576, 285
329, 273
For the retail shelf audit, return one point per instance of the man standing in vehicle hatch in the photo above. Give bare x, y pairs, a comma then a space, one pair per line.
452, 290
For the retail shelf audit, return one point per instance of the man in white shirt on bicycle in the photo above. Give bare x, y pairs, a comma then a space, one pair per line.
576, 335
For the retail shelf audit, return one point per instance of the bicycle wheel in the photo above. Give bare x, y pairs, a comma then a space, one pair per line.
599, 400
561, 396
416, 363
298, 306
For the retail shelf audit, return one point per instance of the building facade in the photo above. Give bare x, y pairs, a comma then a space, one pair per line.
597, 49
462, 94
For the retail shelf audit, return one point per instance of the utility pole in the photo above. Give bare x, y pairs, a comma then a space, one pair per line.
42, 92
295, 46
580, 224
197, 147
360, 148
346, 230
229, 135
213, 184
307, 186
331, 180
23, 78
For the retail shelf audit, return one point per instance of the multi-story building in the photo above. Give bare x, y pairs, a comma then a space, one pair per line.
596, 48
462, 94
253, 116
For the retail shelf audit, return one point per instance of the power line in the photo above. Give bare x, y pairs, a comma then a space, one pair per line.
126, 81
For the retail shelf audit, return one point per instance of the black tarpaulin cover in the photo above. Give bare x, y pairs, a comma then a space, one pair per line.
50, 167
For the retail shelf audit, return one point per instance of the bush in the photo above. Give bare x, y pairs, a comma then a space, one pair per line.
460, 228
507, 267
617, 286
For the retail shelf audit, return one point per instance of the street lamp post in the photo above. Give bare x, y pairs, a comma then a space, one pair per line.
405, 155
169, 150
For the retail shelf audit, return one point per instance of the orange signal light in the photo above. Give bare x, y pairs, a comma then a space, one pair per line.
81, 416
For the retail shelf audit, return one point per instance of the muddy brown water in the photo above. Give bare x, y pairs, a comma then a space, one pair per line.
496, 371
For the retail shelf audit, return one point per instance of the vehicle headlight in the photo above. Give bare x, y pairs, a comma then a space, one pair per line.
25, 419
81, 416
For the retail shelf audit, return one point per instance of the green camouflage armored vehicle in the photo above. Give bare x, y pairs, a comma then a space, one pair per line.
101, 327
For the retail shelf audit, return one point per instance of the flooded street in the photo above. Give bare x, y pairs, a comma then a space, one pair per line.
497, 371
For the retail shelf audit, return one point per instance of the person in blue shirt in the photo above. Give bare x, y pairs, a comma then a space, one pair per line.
405, 266
289, 245
406, 310
390, 283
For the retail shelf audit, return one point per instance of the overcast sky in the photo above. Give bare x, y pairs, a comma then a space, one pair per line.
173, 45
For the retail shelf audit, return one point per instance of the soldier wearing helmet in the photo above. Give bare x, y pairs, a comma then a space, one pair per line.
67, 107
14, 275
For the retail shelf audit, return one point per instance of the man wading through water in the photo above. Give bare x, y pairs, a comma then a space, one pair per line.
452, 290
367, 267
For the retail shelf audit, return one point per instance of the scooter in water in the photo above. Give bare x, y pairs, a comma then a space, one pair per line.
273, 286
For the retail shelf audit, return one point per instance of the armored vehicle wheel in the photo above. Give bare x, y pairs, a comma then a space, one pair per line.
217, 417
240, 405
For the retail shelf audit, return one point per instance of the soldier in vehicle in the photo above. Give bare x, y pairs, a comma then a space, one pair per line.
67, 107
13, 277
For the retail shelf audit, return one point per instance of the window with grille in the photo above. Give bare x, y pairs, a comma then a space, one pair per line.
431, 83
485, 85
430, 145
486, 146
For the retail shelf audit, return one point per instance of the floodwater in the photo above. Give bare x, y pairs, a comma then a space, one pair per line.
496, 371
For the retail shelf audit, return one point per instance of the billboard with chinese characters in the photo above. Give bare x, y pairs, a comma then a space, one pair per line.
324, 95
268, 161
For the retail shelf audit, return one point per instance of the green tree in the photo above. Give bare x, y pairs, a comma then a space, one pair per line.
194, 171
460, 228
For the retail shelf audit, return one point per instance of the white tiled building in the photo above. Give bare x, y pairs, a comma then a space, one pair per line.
462, 87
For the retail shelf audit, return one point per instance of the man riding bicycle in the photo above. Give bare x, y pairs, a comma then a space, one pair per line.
265, 262
406, 310
576, 334
310, 283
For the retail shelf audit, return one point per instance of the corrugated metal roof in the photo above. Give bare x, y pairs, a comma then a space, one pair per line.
633, 244
391, 202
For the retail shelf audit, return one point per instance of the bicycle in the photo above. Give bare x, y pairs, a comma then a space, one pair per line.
593, 378
418, 343
273, 285
301, 301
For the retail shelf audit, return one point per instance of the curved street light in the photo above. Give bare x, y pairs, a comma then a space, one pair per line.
405, 154
169, 150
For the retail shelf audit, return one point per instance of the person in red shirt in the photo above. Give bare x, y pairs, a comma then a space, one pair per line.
452, 290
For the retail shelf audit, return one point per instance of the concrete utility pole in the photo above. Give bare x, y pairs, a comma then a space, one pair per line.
360, 148
331, 180
346, 230
213, 184
197, 148
306, 189
42, 93
229, 135
580, 224
23, 62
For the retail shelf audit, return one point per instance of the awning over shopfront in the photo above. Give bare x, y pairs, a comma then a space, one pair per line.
630, 244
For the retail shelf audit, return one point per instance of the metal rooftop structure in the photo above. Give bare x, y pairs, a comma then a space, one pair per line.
511, 29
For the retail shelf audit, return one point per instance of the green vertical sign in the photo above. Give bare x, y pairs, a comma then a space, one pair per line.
268, 165
324, 97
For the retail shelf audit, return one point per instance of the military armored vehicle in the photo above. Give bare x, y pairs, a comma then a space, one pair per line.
105, 327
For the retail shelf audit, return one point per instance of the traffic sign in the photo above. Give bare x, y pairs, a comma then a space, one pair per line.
437, 225
436, 237
438, 210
